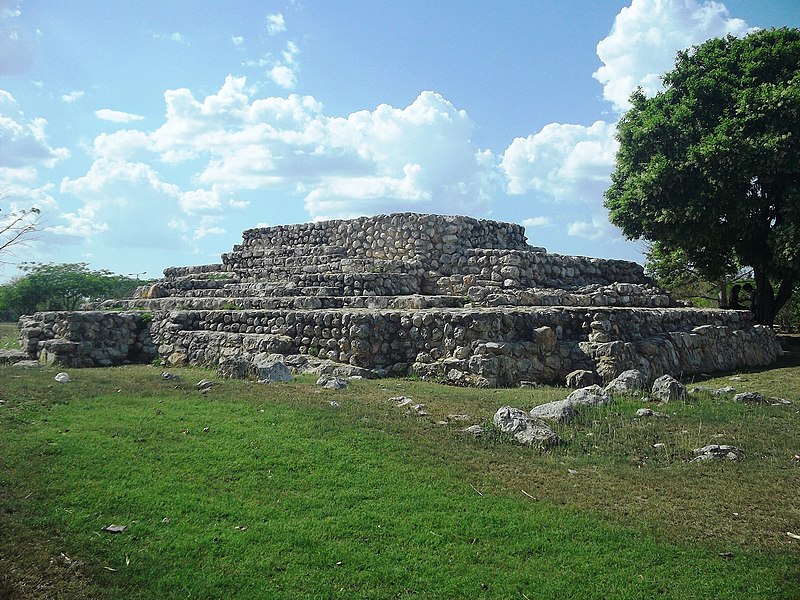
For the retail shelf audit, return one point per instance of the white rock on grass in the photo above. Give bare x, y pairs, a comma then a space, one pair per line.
579, 378
717, 452
62, 378
627, 382
270, 368
330, 382
749, 398
527, 431
649, 412
668, 389
564, 410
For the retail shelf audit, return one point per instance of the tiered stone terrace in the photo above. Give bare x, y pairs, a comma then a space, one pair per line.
460, 299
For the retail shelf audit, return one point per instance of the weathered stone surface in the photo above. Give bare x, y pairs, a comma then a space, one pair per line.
270, 368
718, 452
579, 378
454, 299
560, 411
526, 431
749, 398
649, 412
668, 389
8, 357
592, 395
331, 382
626, 383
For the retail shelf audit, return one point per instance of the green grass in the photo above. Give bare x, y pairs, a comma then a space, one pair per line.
8, 336
284, 496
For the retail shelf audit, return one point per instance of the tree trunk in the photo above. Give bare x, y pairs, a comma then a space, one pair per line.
765, 304
723, 292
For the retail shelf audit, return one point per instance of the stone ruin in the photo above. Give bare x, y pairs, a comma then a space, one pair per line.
450, 298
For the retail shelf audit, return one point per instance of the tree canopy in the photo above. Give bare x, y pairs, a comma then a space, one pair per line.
710, 167
61, 287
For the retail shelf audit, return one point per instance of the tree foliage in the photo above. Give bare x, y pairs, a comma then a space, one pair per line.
61, 287
710, 167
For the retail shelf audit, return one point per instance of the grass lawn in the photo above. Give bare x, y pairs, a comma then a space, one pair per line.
253, 491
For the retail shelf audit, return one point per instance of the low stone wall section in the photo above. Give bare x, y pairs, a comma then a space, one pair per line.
88, 338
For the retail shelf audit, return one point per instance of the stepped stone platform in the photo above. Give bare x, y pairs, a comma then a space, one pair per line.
458, 299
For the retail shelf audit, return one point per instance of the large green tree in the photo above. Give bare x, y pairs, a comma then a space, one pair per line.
61, 287
710, 166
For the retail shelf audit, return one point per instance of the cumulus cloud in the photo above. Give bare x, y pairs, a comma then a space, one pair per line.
562, 162
595, 229
23, 141
283, 76
237, 40
275, 24
647, 35
73, 96
420, 157
116, 116
540, 221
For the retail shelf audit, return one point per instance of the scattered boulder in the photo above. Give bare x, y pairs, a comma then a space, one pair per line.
726, 390
592, 395
778, 401
168, 375
649, 412
560, 411
62, 378
564, 410
270, 368
401, 401
331, 382
475, 430
717, 452
204, 384
178, 359
749, 398
580, 378
334, 404
527, 431
418, 410
627, 382
668, 389
458, 418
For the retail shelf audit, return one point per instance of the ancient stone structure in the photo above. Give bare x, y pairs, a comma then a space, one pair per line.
459, 299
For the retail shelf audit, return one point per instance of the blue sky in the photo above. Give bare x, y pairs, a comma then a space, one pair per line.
151, 134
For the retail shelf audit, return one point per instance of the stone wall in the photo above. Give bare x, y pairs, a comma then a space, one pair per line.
88, 338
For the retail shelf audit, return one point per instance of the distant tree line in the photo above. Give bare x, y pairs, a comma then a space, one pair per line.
60, 287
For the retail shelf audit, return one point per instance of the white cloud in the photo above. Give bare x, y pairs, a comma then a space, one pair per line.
275, 24
420, 157
596, 229
207, 227
73, 96
116, 116
562, 162
647, 35
23, 141
237, 40
540, 221
176, 37
283, 76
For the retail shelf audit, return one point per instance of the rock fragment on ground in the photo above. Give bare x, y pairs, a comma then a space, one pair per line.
626, 383
204, 384
475, 430
401, 401
62, 378
579, 378
649, 412
332, 382
668, 389
749, 398
717, 452
526, 430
